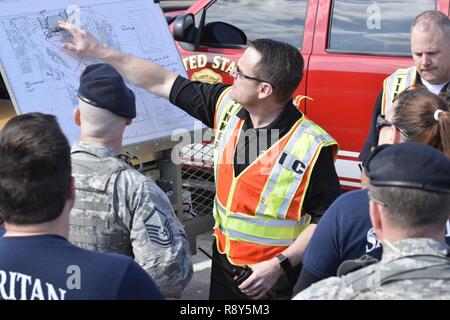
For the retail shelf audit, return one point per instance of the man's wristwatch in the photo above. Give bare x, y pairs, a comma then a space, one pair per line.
284, 262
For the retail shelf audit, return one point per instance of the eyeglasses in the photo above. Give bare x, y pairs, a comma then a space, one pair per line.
382, 122
381, 203
238, 73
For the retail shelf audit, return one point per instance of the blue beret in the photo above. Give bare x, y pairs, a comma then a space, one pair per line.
103, 87
409, 165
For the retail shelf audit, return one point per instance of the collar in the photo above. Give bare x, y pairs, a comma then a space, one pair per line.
419, 81
97, 149
435, 88
289, 114
414, 246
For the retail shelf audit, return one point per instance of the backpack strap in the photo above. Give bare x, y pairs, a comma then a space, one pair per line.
370, 278
353, 265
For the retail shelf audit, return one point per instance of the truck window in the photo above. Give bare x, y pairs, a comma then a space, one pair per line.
369, 27
282, 20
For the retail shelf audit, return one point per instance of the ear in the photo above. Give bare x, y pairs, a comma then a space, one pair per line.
376, 218
265, 90
397, 137
391, 135
76, 116
72, 191
364, 179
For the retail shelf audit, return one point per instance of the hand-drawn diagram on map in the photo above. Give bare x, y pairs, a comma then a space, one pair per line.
44, 77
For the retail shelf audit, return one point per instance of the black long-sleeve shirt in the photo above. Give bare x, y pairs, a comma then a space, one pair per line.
199, 100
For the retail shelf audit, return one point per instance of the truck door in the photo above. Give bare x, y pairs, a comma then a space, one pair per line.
356, 45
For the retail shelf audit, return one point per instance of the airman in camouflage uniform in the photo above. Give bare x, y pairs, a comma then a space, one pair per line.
380, 282
410, 201
118, 209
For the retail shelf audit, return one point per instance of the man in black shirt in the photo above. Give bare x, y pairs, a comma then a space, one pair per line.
267, 202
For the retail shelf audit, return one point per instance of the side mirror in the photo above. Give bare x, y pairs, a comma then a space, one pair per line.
214, 34
184, 30
170, 19
221, 33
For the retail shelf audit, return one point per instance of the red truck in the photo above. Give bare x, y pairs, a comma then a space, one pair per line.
349, 47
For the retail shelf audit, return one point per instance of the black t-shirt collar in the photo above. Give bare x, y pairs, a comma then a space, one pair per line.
284, 120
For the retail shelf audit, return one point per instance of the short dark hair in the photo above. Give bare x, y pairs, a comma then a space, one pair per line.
35, 169
281, 65
413, 209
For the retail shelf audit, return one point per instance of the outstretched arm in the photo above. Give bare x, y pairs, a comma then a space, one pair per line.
145, 74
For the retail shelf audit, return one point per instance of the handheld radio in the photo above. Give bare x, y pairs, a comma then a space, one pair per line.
238, 275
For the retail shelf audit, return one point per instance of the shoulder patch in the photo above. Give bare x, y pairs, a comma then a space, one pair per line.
158, 228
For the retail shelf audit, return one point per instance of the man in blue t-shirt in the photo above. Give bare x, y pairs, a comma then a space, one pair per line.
344, 233
36, 195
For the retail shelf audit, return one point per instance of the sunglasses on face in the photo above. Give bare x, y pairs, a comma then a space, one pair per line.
382, 122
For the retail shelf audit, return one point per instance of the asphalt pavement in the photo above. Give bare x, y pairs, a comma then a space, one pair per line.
198, 288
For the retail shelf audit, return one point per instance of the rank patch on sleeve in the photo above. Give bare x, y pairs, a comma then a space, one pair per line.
158, 228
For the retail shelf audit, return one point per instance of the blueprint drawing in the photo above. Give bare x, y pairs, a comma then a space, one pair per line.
43, 77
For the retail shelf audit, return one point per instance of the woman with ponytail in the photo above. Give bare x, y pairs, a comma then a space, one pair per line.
345, 231
420, 116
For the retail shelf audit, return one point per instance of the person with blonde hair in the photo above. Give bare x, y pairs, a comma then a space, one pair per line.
345, 231
409, 200
430, 44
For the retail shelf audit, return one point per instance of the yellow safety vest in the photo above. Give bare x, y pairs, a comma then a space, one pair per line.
395, 84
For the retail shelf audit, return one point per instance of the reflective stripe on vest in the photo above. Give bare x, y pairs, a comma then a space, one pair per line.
271, 232
222, 105
268, 225
226, 121
288, 173
395, 84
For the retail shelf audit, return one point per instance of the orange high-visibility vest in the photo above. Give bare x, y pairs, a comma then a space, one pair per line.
259, 213
395, 84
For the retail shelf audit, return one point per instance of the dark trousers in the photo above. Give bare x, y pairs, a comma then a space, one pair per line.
223, 287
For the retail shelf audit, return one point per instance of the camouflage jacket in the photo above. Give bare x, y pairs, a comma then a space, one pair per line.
409, 254
140, 218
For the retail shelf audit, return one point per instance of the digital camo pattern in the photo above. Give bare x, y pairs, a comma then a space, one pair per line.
139, 221
407, 254
94, 224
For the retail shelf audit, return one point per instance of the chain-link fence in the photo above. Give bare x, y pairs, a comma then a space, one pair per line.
197, 175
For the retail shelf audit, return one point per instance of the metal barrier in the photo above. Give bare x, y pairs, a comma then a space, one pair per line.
198, 190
